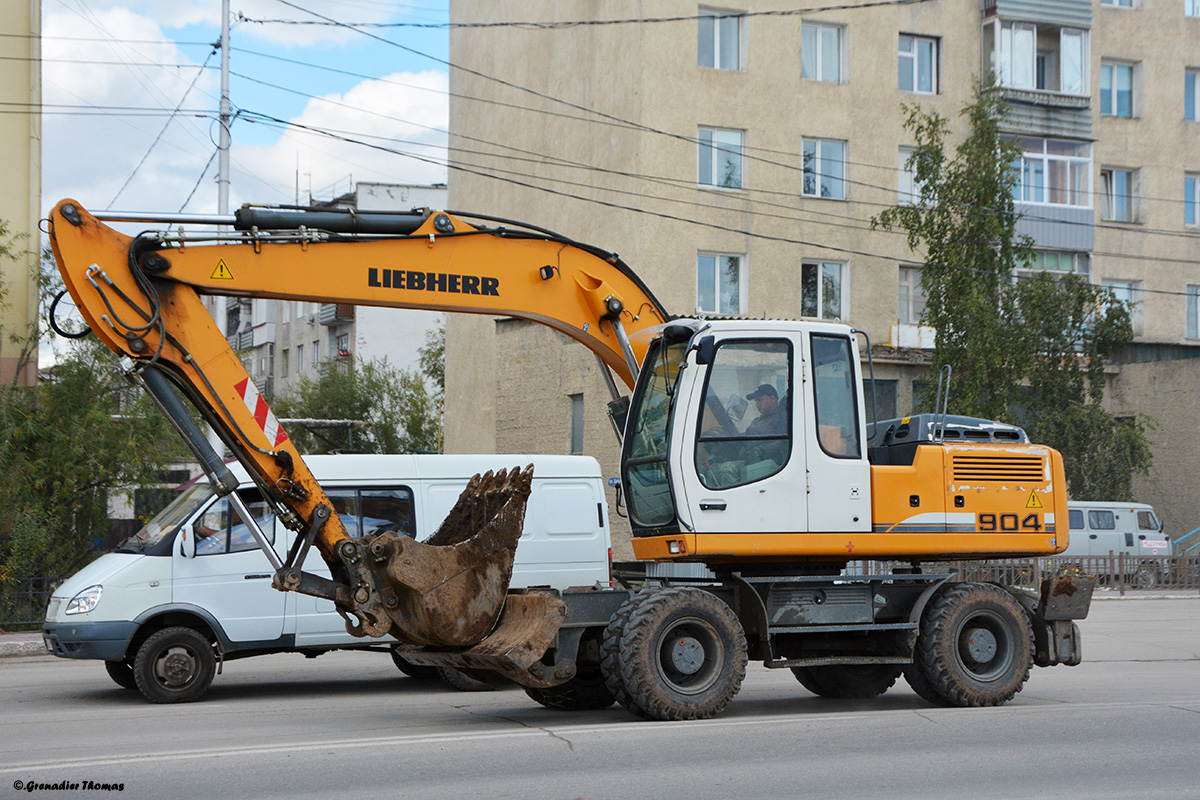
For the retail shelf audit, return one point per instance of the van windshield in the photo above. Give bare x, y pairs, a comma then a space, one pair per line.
167, 521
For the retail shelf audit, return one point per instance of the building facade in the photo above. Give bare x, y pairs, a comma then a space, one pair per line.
282, 341
21, 198
735, 158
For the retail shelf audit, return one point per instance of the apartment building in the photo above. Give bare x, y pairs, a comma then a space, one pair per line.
735, 157
283, 341
20, 200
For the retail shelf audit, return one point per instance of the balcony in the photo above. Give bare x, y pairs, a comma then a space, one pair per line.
336, 313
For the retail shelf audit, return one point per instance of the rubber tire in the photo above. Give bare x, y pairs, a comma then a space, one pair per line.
649, 669
463, 682
179, 648
610, 654
848, 681
122, 674
418, 671
1145, 578
587, 691
942, 652
915, 677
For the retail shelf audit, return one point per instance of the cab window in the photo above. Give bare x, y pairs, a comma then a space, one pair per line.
745, 431
1075, 519
1147, 521
1102, 521
220, 529
835, 396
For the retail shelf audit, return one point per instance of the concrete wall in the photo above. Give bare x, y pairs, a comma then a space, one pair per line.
21, 177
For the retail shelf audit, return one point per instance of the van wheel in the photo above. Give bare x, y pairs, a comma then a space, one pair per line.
419, 671
683, 655
585, 692
464, 682
975, 646
1145, 578
122, 674
848, 681
175, 665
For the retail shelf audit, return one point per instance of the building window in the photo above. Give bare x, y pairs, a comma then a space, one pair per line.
1116, 90
1117, 194
299, 358
719, 283
1130, 293
1192, 298
880, 400
821, 53
283, 365
909, 191
1191, 94
1191, 8
1024, 56
821, 289
918, 64
1191, 199
1117, 3
911, 296
825, 169
720, 159
316, 352
576, 424
1054, 171
1059, 261
720, 39
343, 345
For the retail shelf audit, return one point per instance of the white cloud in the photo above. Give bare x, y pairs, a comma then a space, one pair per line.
90, 157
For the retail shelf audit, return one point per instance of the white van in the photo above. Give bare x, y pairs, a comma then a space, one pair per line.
1100, 528
160, 618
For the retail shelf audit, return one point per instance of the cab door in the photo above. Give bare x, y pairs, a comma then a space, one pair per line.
737, 462
834, 434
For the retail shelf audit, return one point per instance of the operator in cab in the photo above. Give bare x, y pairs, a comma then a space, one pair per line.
770, 420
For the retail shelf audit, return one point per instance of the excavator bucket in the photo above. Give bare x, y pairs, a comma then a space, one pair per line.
450, 590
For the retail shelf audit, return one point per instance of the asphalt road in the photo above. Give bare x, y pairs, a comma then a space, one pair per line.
1124, 724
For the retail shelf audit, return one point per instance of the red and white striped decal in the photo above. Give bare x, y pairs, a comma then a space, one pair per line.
262, 412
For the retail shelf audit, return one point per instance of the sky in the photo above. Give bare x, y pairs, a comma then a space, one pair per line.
131, 122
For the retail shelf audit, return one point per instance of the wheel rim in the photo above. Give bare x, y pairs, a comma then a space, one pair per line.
690, 656
176, 667
985, 648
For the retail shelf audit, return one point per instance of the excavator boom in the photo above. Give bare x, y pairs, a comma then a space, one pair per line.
141, 297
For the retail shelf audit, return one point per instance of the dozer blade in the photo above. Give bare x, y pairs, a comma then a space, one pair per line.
449, 591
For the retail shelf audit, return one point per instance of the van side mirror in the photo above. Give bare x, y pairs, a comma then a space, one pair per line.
187, 542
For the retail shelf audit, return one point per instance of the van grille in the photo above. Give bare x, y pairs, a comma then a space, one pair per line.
1023, 469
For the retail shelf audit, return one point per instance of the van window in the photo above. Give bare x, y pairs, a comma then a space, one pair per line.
365, 511
220, 529
1101, 521
1147, 521
1076, 520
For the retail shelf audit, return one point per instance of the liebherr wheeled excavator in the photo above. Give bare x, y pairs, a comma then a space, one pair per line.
745, 448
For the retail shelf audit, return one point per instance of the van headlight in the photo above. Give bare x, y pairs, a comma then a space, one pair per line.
85, 601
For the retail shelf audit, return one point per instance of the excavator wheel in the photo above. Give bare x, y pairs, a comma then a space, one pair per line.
469, 680
587, 691
975, 646
412, 670
848, 681
610, 654
683, 655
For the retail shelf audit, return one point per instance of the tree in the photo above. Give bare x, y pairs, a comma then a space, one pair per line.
64, 444
392, 405
1030, 350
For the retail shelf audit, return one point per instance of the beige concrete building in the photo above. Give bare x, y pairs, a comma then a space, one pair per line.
21, 176
735, 162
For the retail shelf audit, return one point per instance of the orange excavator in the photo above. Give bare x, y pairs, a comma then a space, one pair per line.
745, 449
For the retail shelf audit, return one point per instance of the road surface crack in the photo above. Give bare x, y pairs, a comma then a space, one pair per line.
570, 745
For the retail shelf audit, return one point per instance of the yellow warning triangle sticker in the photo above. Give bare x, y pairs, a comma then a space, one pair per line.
1033, 501
221, 273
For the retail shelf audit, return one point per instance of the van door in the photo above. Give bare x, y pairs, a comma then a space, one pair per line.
230, 577
1102, 532
361, 510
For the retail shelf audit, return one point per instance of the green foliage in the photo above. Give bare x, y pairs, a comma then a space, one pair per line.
433, 359
1029, 351
393, 405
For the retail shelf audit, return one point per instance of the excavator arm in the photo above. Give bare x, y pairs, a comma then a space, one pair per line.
142, 297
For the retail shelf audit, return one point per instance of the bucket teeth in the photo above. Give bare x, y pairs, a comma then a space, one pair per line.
449, 590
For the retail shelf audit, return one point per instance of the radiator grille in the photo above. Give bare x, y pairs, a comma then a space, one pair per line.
1022, 469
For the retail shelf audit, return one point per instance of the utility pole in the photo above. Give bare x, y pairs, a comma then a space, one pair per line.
223, 147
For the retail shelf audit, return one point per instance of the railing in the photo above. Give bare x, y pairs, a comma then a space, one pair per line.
23, 602
1117, 571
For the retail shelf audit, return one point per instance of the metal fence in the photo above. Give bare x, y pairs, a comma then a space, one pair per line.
23, 602
1116, 570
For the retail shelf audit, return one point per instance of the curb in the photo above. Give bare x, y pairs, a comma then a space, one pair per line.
24, 647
